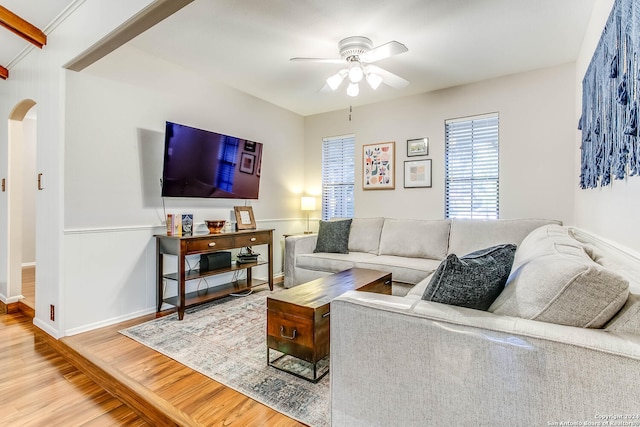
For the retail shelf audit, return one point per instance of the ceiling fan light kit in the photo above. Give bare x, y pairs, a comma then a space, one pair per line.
374, 80
357, 53
353, 89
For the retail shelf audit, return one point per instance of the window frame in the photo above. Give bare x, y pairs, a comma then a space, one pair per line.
472, 167
338, 189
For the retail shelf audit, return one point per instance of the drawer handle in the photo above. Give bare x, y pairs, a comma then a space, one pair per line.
326, 314
388, 282
253, 239
212, 244
289, 337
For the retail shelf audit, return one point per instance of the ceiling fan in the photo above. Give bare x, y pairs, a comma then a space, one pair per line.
357, 55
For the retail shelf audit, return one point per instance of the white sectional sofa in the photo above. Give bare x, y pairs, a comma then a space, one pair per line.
409, 249
559, 346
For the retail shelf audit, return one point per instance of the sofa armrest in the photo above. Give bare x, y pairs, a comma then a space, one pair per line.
294, 246
413, 363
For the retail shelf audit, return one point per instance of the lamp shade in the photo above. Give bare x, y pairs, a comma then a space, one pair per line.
308, 203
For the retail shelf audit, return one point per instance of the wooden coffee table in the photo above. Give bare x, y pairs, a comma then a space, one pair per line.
298, 318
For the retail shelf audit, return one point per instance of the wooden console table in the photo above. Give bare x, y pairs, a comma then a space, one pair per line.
208, 243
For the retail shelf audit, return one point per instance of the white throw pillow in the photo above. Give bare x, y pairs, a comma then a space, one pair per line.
554, 280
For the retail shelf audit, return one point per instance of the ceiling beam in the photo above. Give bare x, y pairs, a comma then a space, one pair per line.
4, 73
22, 28
136, 25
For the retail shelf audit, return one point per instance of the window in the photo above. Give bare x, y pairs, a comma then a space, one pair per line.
471, 167
338, 176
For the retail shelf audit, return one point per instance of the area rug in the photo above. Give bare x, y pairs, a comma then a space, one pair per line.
226, 341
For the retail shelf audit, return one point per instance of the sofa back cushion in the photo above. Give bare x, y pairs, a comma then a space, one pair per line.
554, 280
468, 235
415, 238
365, 235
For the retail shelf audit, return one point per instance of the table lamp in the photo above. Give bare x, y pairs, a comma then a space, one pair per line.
308, 204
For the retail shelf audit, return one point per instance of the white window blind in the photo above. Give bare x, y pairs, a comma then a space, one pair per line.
471, 167
338, 176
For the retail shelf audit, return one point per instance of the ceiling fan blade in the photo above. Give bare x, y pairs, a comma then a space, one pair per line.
325, 60
383, 51
388, 78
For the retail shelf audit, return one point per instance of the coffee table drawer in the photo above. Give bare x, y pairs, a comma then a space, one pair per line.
290, 329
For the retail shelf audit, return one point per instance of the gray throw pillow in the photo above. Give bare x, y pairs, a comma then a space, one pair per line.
474, 280
333, 236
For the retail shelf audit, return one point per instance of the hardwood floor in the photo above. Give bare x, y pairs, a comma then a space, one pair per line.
39, 387
159, 390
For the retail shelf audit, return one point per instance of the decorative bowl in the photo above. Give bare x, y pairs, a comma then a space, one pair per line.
215, 226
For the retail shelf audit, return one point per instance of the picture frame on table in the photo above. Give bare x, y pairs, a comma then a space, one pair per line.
417, 147
244, 218
247, 163
379, 166
417, 173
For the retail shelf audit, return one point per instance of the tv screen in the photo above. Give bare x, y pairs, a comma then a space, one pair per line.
200, 163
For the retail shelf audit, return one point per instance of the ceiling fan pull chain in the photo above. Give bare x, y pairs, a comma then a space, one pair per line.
350, 111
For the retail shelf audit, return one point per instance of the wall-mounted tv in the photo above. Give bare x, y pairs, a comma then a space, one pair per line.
201, 163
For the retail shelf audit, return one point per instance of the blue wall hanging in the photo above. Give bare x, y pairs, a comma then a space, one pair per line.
609, 121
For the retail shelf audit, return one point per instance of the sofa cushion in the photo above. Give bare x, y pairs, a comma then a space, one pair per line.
628, 318
415, 238
402, 269
333, 236
468, 235
325, 261
554, 280
365, 235
474, 280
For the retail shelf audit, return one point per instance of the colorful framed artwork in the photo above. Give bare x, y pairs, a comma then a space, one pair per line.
247, 163
418, 147
379, 166
417, 173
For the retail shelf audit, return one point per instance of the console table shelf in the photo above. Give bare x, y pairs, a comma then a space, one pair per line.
181, 247
197, 274
214, 292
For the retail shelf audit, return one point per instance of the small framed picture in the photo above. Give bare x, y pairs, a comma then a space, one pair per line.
417, 173
244, 218
250, 146
418, 147
247, 163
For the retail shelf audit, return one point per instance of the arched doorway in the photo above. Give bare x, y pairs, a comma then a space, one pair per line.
20, 187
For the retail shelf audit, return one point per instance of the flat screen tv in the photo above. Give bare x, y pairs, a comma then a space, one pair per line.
200, 163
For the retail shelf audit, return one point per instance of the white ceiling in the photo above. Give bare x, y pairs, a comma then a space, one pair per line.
40, 13
246, 44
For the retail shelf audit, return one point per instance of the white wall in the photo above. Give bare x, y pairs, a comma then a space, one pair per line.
610, 212
29, 180
536, 144
39, 76
115, 116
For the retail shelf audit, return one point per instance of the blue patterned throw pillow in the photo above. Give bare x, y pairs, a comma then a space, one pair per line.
474, 280
333, 236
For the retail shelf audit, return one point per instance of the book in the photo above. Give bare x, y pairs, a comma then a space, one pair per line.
169, 224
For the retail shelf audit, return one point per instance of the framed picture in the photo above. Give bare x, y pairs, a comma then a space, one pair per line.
250, 146
417, 173
244, 218
379, 166
417, 147
247, 163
